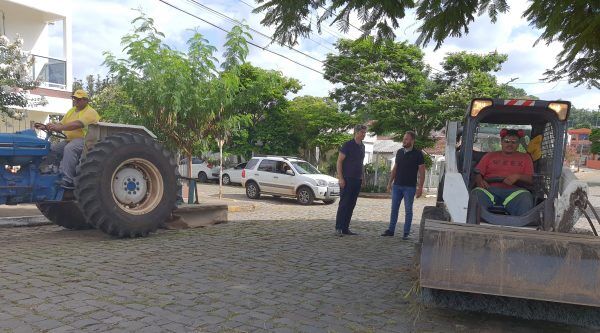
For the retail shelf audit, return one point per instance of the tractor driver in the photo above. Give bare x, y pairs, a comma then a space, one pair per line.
74, 126
498, 172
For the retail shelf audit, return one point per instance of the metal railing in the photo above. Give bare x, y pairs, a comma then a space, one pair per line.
378, 182
50, 72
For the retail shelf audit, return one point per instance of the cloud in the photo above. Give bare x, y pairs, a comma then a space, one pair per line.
98, 26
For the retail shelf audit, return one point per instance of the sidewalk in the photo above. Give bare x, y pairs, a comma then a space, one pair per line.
21, 216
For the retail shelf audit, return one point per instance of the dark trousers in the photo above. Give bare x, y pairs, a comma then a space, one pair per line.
348, 196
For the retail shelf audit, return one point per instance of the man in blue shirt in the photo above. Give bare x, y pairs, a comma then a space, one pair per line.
409, 161
350, 175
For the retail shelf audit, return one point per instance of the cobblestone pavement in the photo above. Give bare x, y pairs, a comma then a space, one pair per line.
277, 269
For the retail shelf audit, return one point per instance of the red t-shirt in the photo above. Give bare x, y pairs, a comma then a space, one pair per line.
498, 164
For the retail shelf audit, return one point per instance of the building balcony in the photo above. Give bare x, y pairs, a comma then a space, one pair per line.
50, 72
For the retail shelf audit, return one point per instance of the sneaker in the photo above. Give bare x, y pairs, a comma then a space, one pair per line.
348, 232
387, 233
405, 237
339, 233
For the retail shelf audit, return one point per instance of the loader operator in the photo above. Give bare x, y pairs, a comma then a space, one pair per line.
498, 172
74, 126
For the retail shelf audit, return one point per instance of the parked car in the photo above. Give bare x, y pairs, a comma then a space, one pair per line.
201, 169
231, 175
290, 177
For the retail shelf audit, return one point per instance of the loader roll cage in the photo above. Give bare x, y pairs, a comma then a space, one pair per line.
545, 119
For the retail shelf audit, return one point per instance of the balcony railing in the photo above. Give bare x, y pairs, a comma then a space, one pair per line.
50, 72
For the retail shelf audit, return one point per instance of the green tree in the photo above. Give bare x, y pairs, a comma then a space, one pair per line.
112, 105
317, 122
595, 139
467, 76
577, 117
167, 88
262, 99
15, 78
92, 84
574, 23
387, 82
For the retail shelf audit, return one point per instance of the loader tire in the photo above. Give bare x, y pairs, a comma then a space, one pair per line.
65, 214
432, 213
127, 185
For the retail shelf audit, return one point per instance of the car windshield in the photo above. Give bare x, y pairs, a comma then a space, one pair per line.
305, 168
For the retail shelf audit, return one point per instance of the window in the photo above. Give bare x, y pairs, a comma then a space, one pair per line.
487, 137
251, 164
584, 137
267, 165
195, 160
240, 166
305, 168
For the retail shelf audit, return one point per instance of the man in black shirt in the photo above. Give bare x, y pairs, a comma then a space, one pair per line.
409, 161
350, 175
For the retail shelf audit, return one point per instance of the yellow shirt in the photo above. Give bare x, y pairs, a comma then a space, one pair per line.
87, 116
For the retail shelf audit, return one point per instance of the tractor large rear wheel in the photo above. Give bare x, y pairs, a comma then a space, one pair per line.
65, 214
127, 185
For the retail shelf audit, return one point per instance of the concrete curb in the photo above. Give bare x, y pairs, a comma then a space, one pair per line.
375, 195
23, 221
241, 208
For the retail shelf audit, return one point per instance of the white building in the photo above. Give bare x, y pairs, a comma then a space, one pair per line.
45, 27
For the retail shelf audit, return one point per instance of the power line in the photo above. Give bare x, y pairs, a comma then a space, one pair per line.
338, 36
251, 43
347, 21
258, 32
270, 37
366, 85
214, 11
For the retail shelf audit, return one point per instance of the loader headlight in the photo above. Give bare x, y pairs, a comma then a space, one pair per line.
478, 104
561, 109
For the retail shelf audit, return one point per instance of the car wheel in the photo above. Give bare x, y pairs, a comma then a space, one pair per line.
226, 179
329, 201
305, 196
252, 190
202, 177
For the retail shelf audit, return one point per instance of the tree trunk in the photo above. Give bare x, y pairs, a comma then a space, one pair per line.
189, 165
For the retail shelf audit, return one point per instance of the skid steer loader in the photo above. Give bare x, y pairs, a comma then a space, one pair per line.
465, 249
126, 182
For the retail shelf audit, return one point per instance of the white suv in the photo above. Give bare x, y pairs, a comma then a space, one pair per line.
290, 177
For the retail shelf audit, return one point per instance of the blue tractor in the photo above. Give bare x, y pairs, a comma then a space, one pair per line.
126, 182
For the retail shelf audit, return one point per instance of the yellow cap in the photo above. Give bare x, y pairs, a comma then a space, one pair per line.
80, 93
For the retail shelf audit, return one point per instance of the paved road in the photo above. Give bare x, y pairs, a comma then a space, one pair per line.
277, 269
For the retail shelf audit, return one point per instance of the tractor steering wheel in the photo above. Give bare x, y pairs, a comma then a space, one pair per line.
44, 128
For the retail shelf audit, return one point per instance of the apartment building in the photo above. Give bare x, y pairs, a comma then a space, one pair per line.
45, 27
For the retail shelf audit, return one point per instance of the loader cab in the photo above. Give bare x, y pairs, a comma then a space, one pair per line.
544, 121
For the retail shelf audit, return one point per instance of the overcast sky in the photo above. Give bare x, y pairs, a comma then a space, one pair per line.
98, 26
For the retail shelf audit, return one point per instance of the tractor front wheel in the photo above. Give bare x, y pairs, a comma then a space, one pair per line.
127, 185
65, 214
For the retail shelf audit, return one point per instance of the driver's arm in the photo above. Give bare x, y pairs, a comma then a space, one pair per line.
73, 125
527, 175
70, 126
480, 182
526, 179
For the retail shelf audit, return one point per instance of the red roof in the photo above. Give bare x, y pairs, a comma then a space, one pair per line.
580, 131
